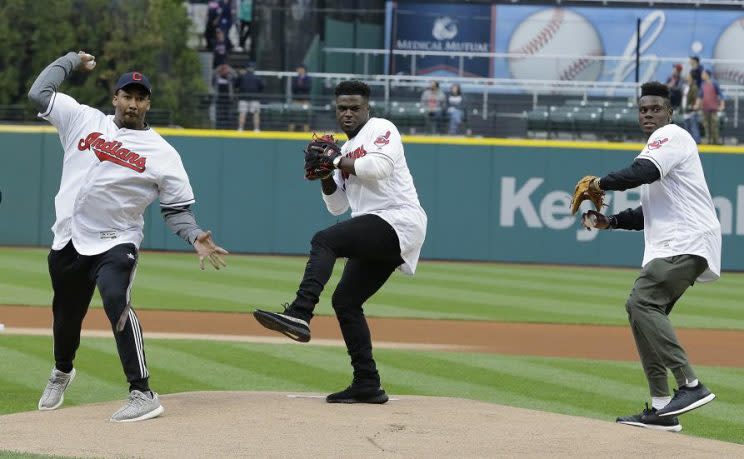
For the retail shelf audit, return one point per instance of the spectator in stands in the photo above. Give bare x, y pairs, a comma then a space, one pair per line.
249, 86
697, 70
245, 14
301, 86
710, 100
226, 20
223, 81
433, 100
689, 107
221, 49
675, 85
210, 28
455, 109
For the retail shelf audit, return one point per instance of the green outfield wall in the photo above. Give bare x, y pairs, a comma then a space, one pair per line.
487, 199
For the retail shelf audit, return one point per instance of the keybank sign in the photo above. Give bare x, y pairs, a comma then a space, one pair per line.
531, 203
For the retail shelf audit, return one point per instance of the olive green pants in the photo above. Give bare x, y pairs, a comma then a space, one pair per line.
660, 284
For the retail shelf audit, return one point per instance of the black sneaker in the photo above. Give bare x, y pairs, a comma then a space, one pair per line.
357, 394
650, 419
686, 399
285, 323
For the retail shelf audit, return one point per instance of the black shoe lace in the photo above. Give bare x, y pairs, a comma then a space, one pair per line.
285, 306
647, 410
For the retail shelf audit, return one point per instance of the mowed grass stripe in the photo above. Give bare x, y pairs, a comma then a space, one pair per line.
541, 390
632, 389
472, 291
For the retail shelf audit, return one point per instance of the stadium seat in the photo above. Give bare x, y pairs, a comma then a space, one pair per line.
538, 119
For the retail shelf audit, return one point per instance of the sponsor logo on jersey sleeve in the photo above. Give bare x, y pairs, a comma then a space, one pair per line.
112, 151
382, 140
657, 143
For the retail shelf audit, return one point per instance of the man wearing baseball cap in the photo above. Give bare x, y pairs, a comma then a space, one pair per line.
133, 78
114, 166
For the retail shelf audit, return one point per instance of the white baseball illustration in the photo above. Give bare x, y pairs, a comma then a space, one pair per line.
556, 31
729, 46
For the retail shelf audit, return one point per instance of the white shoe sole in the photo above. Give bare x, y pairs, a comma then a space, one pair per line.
676, 428
697, 404
62, 398
152, 414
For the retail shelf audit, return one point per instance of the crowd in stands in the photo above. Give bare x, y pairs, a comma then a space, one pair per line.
220, 20
699, 98
441, 108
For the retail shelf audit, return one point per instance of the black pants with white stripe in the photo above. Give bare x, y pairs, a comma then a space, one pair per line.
74, 278
371, 246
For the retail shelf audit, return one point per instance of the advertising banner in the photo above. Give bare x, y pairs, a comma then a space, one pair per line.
589, 32
446, 28
565, 43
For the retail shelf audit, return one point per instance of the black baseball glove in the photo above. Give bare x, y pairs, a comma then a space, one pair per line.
319, 156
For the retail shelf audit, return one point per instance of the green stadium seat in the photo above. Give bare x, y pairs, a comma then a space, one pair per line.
588, 119
538, 119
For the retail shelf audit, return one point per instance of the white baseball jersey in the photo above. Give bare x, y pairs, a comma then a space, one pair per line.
678, 213
109, 177
392, 198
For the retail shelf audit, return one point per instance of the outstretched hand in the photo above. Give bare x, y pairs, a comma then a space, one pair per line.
593, 219
206, 248
87, 62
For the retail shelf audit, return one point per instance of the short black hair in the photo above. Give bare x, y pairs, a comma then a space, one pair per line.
352, 88
656, 88
695, 58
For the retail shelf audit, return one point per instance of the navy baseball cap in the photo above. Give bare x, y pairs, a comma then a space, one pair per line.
133, 78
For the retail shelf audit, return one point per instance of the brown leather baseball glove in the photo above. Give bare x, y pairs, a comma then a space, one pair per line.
587, 188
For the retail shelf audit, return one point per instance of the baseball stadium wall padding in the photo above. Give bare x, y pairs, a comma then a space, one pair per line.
487, 199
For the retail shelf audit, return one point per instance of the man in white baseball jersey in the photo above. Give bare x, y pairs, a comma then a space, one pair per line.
114, 166
683, 244
386, 231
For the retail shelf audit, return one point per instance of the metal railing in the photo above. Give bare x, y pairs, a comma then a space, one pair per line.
494, 107
486, 88
461, 56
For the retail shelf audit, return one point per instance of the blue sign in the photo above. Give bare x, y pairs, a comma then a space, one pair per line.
564, 43
441, 27
588, 32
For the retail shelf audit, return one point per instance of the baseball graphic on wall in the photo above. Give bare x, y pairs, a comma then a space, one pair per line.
729, 47
556, 31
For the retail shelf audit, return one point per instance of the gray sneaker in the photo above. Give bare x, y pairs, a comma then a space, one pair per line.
54, 393
139, 407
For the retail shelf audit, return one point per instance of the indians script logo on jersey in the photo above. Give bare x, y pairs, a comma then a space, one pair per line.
358, 153
112, 151
382, 140
656, 144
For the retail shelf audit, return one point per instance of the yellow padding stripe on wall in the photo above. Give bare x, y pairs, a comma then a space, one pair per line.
419, 139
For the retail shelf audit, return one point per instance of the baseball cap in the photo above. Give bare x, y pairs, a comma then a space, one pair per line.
133, 78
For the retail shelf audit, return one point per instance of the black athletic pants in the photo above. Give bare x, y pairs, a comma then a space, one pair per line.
373, 251
74, 277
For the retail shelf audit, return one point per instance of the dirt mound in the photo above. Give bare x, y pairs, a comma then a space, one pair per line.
269, 424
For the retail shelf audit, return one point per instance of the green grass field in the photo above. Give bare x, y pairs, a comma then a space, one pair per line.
478, 291
440, 290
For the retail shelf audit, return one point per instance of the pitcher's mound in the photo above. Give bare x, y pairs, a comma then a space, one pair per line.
261, 424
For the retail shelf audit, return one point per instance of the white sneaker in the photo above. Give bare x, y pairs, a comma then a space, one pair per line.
139, 407
54, 393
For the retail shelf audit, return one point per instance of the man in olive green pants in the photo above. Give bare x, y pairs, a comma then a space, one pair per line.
682, 237
661, 283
